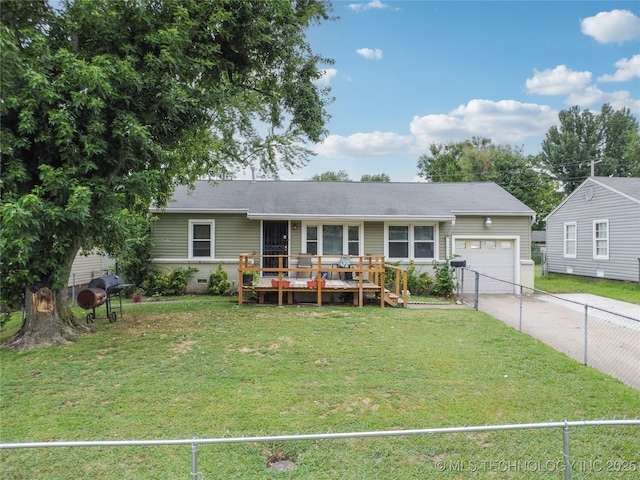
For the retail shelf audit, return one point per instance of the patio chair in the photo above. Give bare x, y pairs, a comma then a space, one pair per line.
345, 262
304, 261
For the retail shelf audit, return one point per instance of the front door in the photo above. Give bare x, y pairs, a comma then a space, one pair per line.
275, 241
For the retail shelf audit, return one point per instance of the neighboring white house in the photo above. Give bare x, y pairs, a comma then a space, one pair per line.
595, 231
405, 222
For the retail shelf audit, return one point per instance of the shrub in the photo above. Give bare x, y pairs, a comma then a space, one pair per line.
165, 284
418, 283
445, 281
219, 283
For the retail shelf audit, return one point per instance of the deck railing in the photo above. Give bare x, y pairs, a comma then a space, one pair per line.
369, 270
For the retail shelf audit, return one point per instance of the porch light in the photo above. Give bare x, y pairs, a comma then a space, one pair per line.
487, 222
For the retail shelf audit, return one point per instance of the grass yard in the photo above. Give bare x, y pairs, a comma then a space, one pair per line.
557, 283
202, 367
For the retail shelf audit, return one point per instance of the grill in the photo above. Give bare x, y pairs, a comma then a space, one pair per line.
109, 283
98, 292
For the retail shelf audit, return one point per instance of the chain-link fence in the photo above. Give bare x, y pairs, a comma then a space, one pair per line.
606, 340
569, 450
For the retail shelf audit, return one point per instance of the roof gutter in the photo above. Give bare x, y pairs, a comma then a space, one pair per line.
197, 210
495, 214
351, 218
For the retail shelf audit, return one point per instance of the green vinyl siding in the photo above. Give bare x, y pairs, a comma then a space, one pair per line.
170, 236
234, 234
500, 227
374, 238
295, 239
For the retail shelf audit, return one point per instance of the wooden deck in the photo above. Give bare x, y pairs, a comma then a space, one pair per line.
300, 286
365, 276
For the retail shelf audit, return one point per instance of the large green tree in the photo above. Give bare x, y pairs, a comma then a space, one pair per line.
479, 160
108, 104
610, 140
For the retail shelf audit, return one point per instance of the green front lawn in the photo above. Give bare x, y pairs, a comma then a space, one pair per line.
202, 367
557, 283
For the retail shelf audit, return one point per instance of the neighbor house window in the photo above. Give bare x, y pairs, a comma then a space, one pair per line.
201, 238
332, 239
570, 239
601, 239
411, 241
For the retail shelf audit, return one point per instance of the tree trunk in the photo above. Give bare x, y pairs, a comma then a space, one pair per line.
42, 325
48, 319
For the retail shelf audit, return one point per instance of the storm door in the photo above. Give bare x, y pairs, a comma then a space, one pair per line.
275, 241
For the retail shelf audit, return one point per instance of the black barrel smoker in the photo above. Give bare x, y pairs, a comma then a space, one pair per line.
99, 291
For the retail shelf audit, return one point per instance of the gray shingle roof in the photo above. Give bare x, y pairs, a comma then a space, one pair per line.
629, 186
372, 200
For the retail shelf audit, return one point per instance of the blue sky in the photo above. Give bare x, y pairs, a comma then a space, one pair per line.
411, 73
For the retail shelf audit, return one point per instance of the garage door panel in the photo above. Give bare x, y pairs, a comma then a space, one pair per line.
491, 257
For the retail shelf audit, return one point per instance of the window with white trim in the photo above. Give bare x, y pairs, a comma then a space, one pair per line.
601, 239
201, 239
570, 239
332, 239
413, 242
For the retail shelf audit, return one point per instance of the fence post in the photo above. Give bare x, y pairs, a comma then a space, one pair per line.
73, 289
566, 454
520, 320
194, 461
477, 292
586, 325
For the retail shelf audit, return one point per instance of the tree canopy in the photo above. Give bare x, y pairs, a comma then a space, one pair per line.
108, 104
330, 176
609, 139
380, 177
479, 159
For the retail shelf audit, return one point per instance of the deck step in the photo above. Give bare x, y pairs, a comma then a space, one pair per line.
393, 299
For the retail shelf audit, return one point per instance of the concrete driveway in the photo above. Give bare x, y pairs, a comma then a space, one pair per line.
611, 343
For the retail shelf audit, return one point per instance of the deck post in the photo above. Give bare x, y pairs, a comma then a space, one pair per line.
319, 281
382, 277
280, 280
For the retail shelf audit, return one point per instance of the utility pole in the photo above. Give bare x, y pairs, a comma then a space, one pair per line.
593, 167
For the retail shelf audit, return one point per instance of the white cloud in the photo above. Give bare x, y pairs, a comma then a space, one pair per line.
580, 91
614, 26
327, 75
371, 54
594, 96
627, 70
506, 121
373, 4
364, 145
559, 81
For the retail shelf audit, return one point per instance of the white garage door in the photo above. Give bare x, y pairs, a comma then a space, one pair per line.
492, 257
